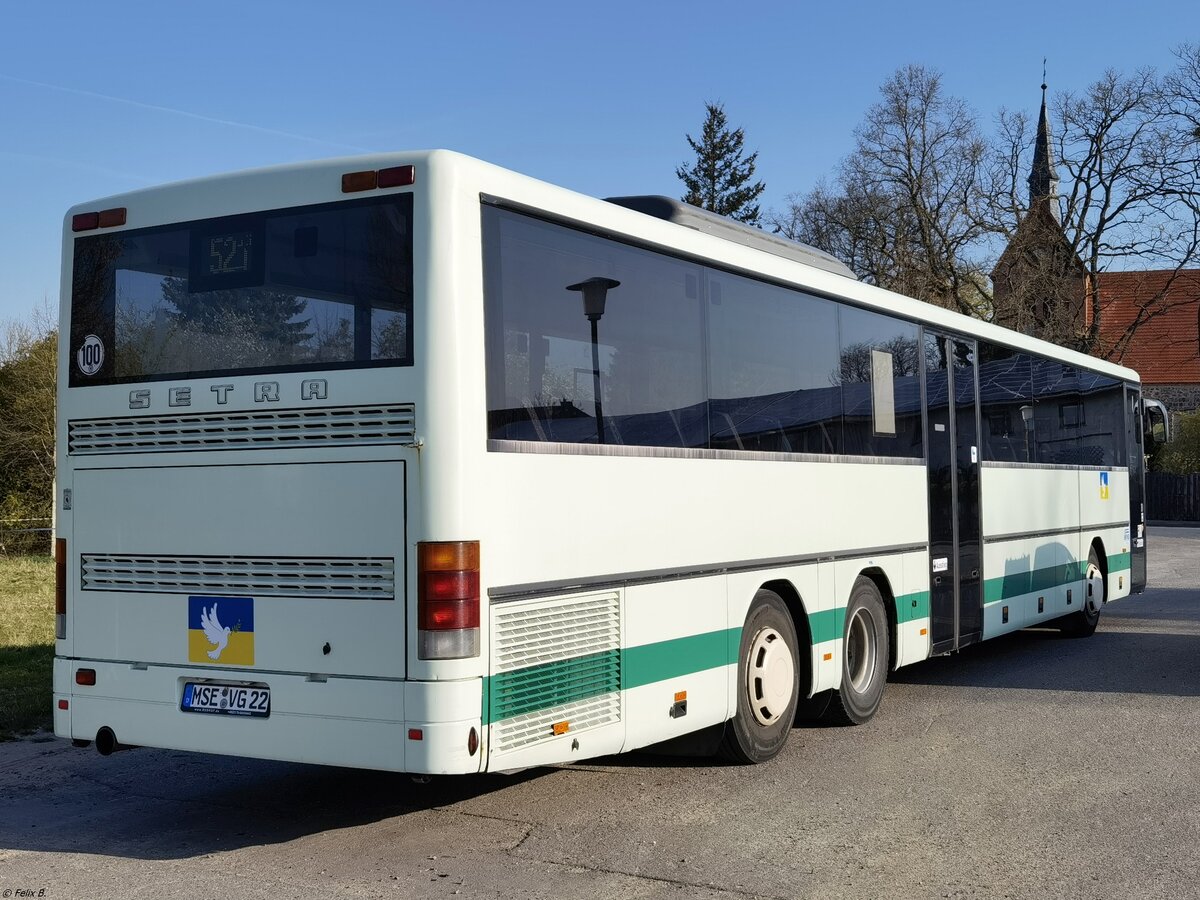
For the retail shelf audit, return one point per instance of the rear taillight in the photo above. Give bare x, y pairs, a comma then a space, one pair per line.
60, 588
447, 599
106, 218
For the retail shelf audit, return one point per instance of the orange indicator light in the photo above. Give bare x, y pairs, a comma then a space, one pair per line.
680, 696
828, 657
560, 727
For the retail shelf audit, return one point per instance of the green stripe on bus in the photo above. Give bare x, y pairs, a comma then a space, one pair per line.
827, 625
1014, 584
532, 688
830, 624
649, 663
552, 684
912, 606
566, 681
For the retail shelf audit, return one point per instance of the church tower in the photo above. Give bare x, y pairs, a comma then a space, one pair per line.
1039, 284
1043, 178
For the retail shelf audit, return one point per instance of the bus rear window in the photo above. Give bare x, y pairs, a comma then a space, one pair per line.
311, 288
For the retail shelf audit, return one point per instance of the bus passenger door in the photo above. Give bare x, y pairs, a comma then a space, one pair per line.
1135, 450
952, 457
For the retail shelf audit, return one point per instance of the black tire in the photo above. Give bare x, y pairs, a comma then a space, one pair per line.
766, 704
1083, 623
865, 648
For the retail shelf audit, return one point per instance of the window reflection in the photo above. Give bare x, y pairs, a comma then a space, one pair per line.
333, 287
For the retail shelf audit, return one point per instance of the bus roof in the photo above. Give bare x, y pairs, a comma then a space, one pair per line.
660, 221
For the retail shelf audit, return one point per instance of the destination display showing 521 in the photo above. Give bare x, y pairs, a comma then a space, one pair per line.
229, 258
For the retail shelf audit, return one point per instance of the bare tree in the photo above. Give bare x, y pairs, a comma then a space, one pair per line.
924, 204
905, 208
1129, 154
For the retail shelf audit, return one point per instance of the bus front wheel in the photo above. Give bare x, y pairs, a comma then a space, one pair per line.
768, 688
864, 657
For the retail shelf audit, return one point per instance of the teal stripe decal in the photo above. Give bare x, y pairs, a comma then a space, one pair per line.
910, 607
1015, 584
649, 663
570, 680
827, 625
566, 681
526, 690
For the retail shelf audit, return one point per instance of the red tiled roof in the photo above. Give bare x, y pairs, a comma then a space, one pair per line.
1165, 348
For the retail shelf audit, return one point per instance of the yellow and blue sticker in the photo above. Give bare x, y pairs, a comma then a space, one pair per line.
221, 630
1103, 485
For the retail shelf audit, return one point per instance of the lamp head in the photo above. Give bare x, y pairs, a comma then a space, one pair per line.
1027, 417
595, 292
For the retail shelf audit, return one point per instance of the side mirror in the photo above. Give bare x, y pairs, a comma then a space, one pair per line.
1156, 420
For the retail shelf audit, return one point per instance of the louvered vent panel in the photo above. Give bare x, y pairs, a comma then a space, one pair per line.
336, 578
554, 661
321, 427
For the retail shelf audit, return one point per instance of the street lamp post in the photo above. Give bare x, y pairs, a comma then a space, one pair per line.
595, 292
1027, 421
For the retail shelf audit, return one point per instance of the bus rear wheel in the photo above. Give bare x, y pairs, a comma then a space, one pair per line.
865, 647
1095, 592
768, 688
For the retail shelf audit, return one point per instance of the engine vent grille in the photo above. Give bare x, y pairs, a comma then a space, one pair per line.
307, 577
554, 661
317, 427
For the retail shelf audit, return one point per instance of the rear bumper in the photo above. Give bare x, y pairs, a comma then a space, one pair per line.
355, 722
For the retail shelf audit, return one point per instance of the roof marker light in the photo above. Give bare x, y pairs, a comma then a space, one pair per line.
358, 181
397, 176
85, 221
111, 218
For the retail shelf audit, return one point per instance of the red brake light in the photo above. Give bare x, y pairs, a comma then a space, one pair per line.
60, 588
448, 599
110, 218
86, 677
358, 181
397, 176
85, 221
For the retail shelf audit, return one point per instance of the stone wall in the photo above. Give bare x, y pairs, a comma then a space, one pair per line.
1177, 397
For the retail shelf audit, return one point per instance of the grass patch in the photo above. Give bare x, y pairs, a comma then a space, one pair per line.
26, 644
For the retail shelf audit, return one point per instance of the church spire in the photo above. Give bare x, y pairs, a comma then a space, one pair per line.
1043, 179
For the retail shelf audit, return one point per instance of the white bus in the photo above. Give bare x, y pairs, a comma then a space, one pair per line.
412, 463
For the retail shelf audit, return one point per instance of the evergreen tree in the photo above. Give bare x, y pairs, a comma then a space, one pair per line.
719, 180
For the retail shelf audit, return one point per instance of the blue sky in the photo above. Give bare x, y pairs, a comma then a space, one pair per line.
99, 98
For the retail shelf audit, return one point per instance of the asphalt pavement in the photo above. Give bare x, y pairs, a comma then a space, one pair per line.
1028, 766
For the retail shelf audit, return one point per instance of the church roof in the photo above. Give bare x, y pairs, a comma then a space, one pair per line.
1043, 178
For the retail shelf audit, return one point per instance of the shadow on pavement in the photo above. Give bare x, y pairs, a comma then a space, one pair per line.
1126, 655
163, 804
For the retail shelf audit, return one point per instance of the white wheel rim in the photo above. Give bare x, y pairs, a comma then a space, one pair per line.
770, 676
860, 650
1095, 587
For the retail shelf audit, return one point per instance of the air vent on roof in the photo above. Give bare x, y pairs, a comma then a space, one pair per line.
720, 226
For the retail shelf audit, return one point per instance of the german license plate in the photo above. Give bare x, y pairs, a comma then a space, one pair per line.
226, 699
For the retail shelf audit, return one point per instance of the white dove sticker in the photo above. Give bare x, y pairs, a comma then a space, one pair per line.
214, 632
221, 630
